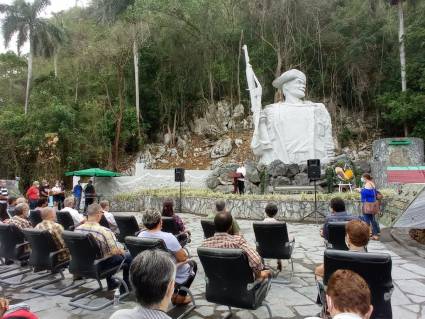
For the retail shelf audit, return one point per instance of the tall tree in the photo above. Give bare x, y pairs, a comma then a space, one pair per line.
22, 18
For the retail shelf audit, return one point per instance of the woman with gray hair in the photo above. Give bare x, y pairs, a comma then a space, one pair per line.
152, 275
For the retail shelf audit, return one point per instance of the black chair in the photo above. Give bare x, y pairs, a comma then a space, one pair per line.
13, 247
272, 242
3, 212
170, 226
65, 219
375, 270
208, 227
127, 226
44, 257
138, 244
35, 217
87, 261
104, 222
230, 280
336, 236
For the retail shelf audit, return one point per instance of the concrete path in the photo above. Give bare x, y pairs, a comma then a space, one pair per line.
294, 300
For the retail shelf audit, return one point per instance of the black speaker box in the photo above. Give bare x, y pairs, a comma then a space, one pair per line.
179, 174
313, 169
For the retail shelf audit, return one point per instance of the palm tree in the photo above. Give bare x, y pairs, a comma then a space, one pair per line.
22, 18
108, 11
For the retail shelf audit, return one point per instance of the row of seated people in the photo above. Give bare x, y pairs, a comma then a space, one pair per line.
224, 237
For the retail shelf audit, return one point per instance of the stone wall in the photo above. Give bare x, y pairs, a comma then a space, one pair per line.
292, 210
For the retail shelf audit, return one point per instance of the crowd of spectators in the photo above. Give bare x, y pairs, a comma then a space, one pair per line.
155, 276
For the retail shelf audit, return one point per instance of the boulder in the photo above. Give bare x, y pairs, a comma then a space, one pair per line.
364, 166
212, 182
251, 188
301, 179
173, 152
216, 164
222, 148
226, 189
292, 170
252, 173
238, 112
281, 181
238, 142
277, 168
211, 132
303, 168
167, 139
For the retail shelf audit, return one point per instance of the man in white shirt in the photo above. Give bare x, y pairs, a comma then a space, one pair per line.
347, 296
109, 217
241, 180
69, 207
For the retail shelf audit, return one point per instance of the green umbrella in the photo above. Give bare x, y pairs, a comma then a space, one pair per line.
93, 172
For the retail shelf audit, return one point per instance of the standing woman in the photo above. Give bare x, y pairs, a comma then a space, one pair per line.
370, 204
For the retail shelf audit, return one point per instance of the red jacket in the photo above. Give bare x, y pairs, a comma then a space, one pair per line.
33, 193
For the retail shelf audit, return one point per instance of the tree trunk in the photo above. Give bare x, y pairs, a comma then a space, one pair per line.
29, 76
402, 55
136, 82
239, 68
119, 117
55, 64
76, 88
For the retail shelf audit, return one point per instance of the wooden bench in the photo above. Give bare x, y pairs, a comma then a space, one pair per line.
295, 189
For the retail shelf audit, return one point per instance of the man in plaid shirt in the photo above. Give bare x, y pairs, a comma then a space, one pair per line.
20, 218
48, 215
108, 244
222, 239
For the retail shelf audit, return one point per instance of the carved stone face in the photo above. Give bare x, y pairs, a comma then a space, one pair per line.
294, 89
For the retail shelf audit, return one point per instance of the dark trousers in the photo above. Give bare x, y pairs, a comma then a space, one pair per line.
3, 211
115, 261
371, 221
33, 203
241, 187
189, 280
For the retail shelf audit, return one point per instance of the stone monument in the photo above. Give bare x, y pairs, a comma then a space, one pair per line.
292, 131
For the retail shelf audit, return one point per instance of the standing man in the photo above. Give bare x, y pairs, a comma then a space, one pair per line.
4, 193
33, 194
241, 180
77, 192
89, 194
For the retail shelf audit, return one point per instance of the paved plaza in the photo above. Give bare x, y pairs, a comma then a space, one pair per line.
294, 300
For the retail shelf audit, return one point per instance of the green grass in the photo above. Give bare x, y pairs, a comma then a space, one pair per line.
201, 193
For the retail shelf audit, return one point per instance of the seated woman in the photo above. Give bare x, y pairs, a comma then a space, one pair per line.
356, 238
168, 211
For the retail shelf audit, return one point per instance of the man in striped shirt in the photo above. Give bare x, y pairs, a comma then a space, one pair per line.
222, 239
48, 215
108, 244
152, 275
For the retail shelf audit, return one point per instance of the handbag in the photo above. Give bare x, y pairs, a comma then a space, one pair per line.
372, 207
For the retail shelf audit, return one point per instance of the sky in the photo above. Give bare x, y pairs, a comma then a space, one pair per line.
56, 6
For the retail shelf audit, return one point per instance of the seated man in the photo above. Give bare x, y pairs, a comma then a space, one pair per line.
69, 207
107, 242
20, 219
220, 206
11, 204
152, 276
271, 212
356, 238
348, 296
223, 239
186, 269
109, 217
338, 214
48, 215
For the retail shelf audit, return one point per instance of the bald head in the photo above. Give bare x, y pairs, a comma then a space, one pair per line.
48, 213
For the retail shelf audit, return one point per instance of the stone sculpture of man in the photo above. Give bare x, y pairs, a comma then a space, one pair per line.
292, 131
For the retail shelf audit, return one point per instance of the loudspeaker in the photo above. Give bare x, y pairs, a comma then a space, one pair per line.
179, 174
313, 169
